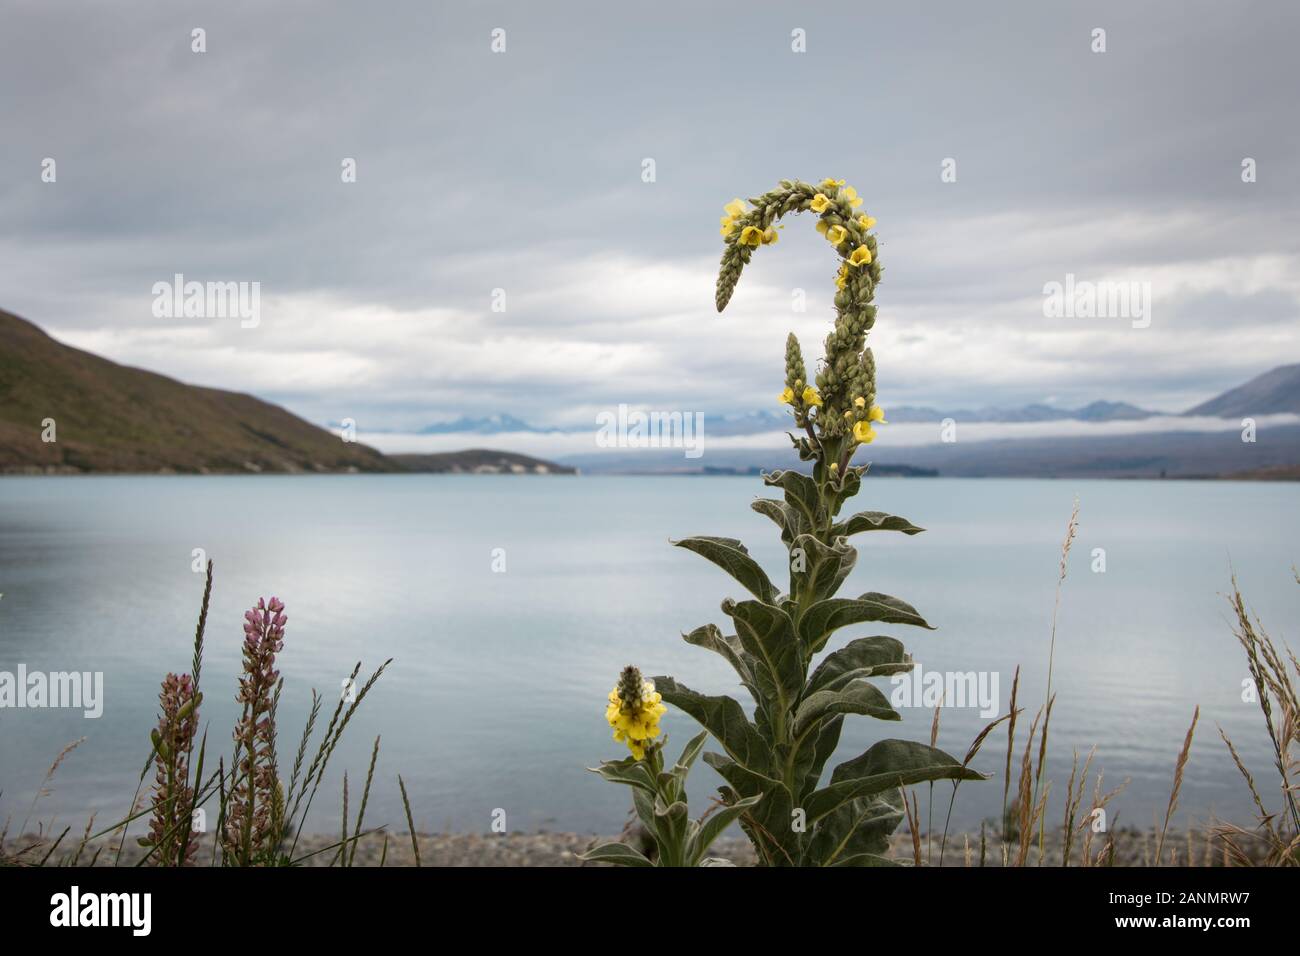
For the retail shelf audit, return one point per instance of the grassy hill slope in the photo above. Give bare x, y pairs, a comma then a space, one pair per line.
110, 417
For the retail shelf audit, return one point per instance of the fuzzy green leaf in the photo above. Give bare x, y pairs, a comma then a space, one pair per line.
753, 674
768, 824
729, 647
863, 657
814, 752
861, 827
819, 569
730, 555
629, 770
788, 518
672, 823
743, 780
848, 488
825, 617
712, 828
859, 697
767, 633
724, 719
619, 853
643, 802
694, 747
874, 521
886, 764
800, 493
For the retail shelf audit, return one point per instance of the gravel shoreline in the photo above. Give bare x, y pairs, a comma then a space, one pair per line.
1133, 847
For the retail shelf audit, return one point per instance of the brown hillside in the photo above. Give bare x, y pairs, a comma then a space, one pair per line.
113, 418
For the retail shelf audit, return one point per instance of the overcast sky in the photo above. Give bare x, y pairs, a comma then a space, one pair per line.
522, 171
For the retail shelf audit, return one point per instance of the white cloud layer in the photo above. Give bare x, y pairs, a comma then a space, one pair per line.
521, 172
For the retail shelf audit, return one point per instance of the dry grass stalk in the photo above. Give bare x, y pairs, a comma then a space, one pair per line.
1278, 833
971, 753
1100, 802
1073, 800
365, 798
914, 826
1012, 714
410, 822
1179, 769
44, 789
1025, 797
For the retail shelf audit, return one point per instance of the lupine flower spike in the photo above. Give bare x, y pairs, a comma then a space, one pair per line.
173, 795
252, 815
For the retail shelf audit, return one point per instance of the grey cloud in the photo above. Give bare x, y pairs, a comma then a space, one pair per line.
521, 171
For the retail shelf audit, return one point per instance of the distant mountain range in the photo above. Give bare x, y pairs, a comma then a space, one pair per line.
1275, 455
1168, 453
1270, 393
1095, 412
1267, 394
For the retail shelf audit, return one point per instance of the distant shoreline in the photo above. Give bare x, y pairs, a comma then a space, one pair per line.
1271, 476
1197, 846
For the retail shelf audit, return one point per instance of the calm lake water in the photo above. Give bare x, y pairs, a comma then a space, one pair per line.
496, 695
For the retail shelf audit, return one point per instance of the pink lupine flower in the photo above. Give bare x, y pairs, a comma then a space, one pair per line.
252, 816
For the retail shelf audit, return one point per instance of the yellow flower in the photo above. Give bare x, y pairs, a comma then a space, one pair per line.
865, 221
836, 235
860, 256
634, 711
851, 194
877, 414
819, 203
810, 396
859, 402
842, 277
864, 433
735, 209
828, 183
769, 236
787, 396
751, 236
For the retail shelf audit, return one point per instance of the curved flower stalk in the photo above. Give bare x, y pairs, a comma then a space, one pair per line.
659, 797
778, 756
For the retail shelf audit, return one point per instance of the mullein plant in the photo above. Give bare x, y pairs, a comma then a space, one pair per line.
773, 762
658, 796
